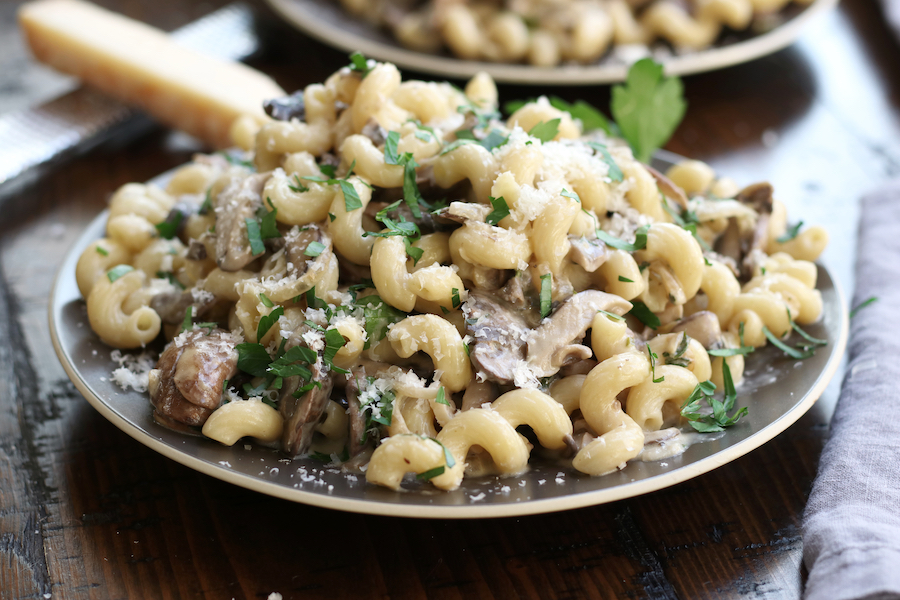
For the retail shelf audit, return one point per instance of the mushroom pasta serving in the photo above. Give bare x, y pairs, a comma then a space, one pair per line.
392, 277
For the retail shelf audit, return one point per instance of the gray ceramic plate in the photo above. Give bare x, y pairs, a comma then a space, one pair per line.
777, 390
326, 21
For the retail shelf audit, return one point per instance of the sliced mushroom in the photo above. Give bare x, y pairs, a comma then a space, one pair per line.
479, 393
357, 417
287, 108
375, 132
301, 415
196, 251
172, 306
589, 253
206, 361
297, 244
209, 358
498, 331
742, 245
702, 326
552, 345
516, 290
235, 204
668, 188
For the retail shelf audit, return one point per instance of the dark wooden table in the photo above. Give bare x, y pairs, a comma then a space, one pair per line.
87, 512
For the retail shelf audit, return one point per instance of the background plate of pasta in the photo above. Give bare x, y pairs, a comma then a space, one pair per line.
569, 42
393, 300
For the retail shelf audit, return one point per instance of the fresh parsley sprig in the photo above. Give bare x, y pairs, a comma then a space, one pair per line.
640, 240
705, 422
648, 107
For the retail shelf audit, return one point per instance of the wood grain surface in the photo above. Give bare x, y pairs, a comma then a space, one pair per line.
87, 512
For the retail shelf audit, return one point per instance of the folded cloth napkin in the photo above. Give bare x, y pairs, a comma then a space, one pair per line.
851, 530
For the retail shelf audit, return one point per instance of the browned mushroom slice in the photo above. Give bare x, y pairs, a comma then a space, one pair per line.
287, 108
301, 415
208, 356
589, 253
668, 188
235, 204
516, 290
206, 361
172, 306
478, 394
553, 344
498, 332
356, 416
297, 245
702, 326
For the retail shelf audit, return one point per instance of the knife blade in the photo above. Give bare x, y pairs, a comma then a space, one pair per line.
79, 120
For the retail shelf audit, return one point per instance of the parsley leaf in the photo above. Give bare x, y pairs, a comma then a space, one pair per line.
862, 305
299, 188
790, 234
500, 212
314, 249
268, 226
719, 419
378, 314
169, 228
266, 322
441, 397
643, 314
253, 236
334, 341
456, 144
640, 240
546, 293
653, 359
648, 107
118, 271
359, 64
101, 251
624, 279
253, 359
545, 131
615, 173
265, 300
795, 353
431, 473
390, 148
494, 139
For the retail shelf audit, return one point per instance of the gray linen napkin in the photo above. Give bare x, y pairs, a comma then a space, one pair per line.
851, 530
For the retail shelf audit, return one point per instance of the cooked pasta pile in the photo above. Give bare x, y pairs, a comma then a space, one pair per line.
546, 32
396, 279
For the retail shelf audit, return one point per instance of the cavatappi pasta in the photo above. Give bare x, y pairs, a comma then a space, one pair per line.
545, 33
396, 278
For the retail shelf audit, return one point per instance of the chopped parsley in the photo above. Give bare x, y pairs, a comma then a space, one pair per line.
378, 315
615, 173
624, 279
500, 212
546, 293
545, 131
862, 305
117, 271
169, 228
431, 473
455, 297
717, 421
101, 251
571, 195
254, 237
653, 359
790, 234
441, 397
334, 341
266, 322
359, 64
640, 240
314, 249
351, 197
299, 187
265, 300
643, 314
